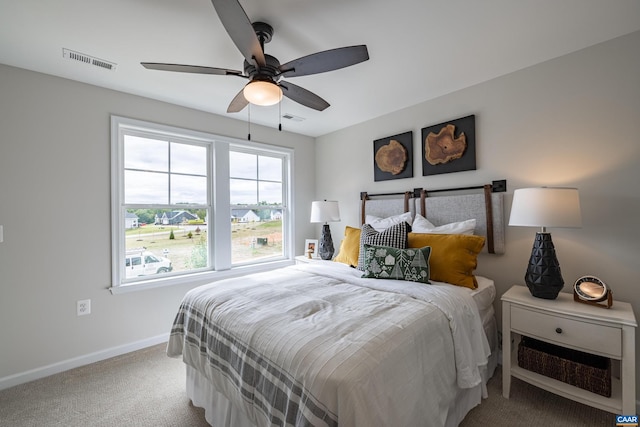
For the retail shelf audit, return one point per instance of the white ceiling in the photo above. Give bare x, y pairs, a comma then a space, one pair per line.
419, 49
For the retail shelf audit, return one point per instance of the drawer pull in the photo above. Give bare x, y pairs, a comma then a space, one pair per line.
558, 330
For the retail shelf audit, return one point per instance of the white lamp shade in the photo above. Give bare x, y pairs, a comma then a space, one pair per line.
264, 93
325, 211
546, 207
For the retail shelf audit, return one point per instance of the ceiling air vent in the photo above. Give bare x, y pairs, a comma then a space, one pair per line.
87, 59
293, 118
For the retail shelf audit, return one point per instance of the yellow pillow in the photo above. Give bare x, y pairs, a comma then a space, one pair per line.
349, 247
453, 256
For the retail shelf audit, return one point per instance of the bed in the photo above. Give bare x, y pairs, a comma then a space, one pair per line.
319, 345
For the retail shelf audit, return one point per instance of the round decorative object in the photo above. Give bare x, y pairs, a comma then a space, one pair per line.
392, 157
590, 288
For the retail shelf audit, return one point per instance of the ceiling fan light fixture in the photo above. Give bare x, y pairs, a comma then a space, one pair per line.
263, 93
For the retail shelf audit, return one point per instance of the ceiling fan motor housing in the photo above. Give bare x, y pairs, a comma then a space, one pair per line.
268, 72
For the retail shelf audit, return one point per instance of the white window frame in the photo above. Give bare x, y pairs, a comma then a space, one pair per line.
244, 148
219, 235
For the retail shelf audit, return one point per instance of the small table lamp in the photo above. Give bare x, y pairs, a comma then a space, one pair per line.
545, 207
325, 211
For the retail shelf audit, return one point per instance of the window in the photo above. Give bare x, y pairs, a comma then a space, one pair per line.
256, 193
187, 204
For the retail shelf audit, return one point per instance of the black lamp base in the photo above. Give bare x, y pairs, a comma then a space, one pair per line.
543, 276
326, 243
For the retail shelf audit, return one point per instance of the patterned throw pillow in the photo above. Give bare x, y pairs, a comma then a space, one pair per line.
383, 262
394, 236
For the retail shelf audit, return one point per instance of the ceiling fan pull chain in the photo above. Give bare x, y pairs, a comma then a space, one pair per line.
280, 115
249, 125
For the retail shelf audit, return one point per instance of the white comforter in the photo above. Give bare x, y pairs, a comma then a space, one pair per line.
315, 344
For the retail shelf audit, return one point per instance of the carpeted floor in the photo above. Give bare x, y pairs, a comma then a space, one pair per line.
147, 388
143, 388
532, 407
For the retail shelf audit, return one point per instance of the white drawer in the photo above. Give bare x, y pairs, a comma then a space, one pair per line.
584, 336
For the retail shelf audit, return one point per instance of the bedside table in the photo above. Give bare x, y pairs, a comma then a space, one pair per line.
302, 259
566, 323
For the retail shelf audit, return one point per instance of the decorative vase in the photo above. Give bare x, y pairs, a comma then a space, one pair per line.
543, 277
326, 243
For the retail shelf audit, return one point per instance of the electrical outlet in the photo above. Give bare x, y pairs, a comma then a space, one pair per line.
84, 307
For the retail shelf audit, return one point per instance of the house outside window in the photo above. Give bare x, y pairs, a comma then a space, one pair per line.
131, 220
172, 193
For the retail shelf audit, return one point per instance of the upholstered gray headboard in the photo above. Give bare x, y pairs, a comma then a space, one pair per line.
444, 206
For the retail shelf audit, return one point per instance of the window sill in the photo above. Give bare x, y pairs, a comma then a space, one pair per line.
199, 278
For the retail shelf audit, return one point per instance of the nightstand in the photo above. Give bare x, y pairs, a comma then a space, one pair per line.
303, 259
566, 323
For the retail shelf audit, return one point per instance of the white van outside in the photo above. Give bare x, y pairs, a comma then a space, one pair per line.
139, 262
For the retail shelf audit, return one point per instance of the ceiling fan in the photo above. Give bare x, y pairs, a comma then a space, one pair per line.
264, 72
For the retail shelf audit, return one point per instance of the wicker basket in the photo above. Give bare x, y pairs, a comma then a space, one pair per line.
584, 370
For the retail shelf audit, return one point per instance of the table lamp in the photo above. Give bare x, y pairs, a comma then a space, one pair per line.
552, 207
325, 211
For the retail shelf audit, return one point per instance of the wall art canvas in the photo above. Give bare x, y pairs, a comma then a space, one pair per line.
449, 146
393, 157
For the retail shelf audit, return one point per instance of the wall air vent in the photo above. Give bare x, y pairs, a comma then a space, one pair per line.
293, 118
89, 60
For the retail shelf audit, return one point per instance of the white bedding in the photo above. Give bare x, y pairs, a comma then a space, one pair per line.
484, 294
333, 346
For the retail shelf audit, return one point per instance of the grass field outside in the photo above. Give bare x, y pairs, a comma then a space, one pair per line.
249, 241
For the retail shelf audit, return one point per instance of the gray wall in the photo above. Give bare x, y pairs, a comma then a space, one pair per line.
55, 208
571, 121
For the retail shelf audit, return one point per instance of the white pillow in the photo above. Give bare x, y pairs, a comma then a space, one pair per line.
423, 225
381, 224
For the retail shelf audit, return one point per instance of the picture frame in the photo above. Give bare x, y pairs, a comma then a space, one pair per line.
393, 157
450, 160
311, 245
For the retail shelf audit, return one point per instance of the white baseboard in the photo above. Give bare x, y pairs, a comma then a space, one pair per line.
65, 365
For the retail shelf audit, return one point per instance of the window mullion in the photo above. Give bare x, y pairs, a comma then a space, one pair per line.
221, 203
169, 173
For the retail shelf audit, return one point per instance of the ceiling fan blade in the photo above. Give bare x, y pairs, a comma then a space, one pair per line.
239, 27
238, 103
196, 69
327, 60
303, 96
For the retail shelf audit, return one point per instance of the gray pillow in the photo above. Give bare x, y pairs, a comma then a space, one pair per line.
394, 236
